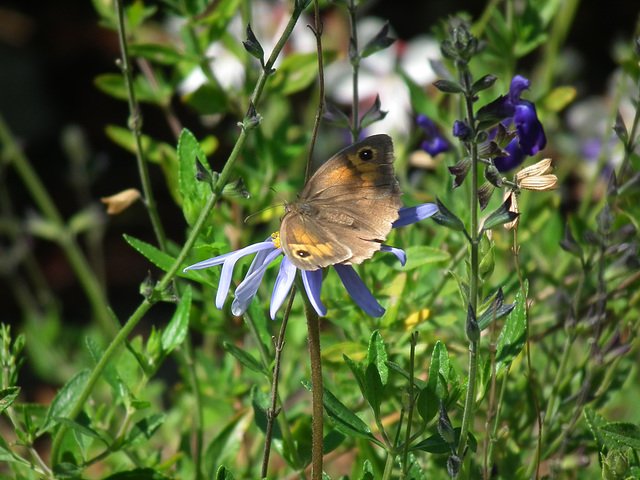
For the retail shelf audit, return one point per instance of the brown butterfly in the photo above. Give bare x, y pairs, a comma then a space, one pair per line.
346, 209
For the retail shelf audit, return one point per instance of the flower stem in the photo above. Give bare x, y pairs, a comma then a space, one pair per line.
135, 123
355, 63
469, 404
317, 408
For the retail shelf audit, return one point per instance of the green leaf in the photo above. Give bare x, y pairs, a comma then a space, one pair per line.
514, 333
436, 389
176, 331
65, 399
373, 388
6, 455
398, 369
559, 98
244, 358
463, 287
419, 255
144, 430
224, 474
344, 419
435, 443
357, 371
65, 470
7, 397
377, 354
78, 427
154, 255
500, 216
332, 440
596, 422
208, 99
138, 474
420, 101
113, 84
161, 54
194, 194
227, 442
621, 434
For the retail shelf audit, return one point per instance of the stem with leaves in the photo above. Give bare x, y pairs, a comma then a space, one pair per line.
135, 124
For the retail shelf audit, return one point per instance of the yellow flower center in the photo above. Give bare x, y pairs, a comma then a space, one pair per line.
276, 239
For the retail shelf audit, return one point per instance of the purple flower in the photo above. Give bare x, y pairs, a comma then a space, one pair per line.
435, 143
269, 250
530, 137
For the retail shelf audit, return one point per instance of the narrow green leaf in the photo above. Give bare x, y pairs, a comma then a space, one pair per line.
176, 331
244, 358
357, 372
82, 429
144, 430
373, 388
377, 354
194, 194
225, 445
65, 399
224, 474
332, 440
436, 389
514, 333
64, 470
435, 443
161, 54
344, 419
7, 397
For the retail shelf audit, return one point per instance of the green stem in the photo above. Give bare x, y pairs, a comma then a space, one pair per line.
469, 404
65, 239
407, 438
135, 123
355, 63
190, 367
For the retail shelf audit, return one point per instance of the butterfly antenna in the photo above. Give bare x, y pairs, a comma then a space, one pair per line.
261, 211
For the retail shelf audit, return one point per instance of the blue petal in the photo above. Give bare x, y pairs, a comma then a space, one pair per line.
427, 125
398, 252
358, 290
531, 137
409, 215
247, 289
212, 262
435, 145
281, 289
229, 263
312, 281
518, 85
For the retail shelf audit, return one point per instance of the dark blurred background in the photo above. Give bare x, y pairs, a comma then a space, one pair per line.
50, 53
